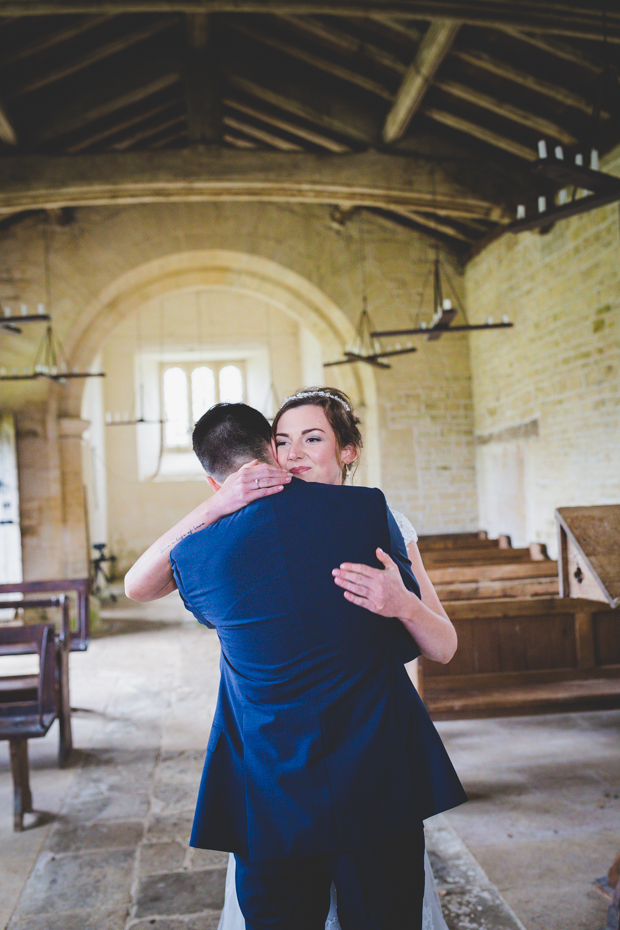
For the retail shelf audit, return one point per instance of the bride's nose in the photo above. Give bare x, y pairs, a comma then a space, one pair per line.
293, 453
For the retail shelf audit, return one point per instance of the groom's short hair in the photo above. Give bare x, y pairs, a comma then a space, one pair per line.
229, 435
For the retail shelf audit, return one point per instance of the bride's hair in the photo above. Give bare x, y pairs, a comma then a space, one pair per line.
340, 415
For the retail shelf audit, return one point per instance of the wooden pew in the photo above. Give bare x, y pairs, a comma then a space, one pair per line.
525, 656
29, 703
78, 634
522, 648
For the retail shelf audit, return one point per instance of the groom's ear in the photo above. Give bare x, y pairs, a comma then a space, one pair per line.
213, 483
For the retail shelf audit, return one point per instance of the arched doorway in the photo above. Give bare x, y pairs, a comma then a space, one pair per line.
246, 278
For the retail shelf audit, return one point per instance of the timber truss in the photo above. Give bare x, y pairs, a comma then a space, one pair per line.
427, 112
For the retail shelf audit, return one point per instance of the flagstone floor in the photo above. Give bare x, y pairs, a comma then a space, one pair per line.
107, 848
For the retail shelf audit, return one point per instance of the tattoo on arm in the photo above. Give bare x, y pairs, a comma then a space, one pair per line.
182, 536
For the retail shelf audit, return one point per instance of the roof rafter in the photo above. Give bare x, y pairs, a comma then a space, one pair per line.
302, 132
298, 108
89, 58
345, 44
283, 145
563, 17
8, 133
480, 132
316, 61
538, 123
433, 49
504, 70
45, 42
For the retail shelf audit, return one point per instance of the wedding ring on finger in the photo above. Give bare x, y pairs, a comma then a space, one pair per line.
257, 484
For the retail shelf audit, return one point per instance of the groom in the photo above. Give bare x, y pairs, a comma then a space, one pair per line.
322, 761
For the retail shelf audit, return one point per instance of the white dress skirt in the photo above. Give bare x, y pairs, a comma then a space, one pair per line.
432, 918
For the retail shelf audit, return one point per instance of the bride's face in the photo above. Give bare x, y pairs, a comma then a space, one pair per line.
306, 446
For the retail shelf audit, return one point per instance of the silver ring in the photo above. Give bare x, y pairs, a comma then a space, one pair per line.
257, 484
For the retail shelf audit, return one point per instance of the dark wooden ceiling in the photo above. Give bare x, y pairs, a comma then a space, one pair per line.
486, 87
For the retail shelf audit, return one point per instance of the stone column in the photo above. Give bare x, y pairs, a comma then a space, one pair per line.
75, 538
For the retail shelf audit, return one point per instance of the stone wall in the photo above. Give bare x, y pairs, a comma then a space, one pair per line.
420, 410
546, 394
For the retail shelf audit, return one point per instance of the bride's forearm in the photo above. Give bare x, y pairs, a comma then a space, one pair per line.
151, 576
433, 632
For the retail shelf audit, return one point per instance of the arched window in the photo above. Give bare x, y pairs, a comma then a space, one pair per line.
231, 385
203, 390
190, 389
176, 413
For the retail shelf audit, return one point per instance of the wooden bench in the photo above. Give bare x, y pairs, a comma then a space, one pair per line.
519, 579
522, 648
30, 703
77, 634
527, 655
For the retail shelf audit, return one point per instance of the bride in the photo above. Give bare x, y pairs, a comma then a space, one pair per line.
317, 438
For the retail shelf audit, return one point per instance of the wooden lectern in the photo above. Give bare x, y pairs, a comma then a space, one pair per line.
589, 552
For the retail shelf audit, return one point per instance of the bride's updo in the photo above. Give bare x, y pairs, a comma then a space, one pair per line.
340, 415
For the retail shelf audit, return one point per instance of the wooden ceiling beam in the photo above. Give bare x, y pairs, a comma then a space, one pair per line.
406, 31
211, 174
238, 141
479, 132
562, 50
112, 130
8, 133
166, 140
430, 222
345, 44
298, 108
310, 58
539, 124
141, 78
502, 69
255, 132
566, 17
48, 41
433, 49
203, 83
302, 132
123, 144
89, 58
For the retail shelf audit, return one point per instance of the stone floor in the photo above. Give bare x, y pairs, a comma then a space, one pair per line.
107, 848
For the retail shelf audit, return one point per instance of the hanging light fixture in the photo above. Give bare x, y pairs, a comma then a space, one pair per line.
444, 312
14, 324
50, 360
366, 346
576, 187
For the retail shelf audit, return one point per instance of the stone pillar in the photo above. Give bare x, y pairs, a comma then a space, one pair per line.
75, 538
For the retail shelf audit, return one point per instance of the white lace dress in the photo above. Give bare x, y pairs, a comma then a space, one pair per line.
432, 919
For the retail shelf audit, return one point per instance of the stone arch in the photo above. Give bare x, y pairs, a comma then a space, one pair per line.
254, 275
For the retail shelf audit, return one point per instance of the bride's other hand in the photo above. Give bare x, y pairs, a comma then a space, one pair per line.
383, 592
380, 590
251, 482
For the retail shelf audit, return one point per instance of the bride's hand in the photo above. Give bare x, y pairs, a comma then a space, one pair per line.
251, 482
380, 590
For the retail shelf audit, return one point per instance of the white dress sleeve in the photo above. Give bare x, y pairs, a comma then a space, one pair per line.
406, 527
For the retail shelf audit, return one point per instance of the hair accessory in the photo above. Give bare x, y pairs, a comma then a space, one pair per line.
301, 394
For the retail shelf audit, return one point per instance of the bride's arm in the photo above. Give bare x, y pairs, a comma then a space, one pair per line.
151, 576
383, 592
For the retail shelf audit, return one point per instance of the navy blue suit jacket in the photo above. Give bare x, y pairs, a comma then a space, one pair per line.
320, 742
